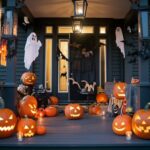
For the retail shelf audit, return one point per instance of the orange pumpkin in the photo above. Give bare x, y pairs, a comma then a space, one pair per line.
121, 124
74, 111
26, 127
51, 111
95, 109
8, 122
40, 130
40, 113
28, 78
101, 98
119, 90
53, 100
28, 106
141, 124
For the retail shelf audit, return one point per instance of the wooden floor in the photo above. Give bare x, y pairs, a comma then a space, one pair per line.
92, 132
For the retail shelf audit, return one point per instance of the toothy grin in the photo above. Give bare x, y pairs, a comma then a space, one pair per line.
121, 94
142, 129
33, 111
122, 129
75, 115
28, 134
7, 128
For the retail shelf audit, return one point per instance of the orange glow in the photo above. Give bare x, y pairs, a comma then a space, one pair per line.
3, 52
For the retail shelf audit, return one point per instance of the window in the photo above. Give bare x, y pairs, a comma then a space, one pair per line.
63, 66
102, 30
49, 30
103, 63
48, 64
88, 29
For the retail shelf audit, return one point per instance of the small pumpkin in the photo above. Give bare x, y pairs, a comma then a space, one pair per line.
119, 90
95, 109
40, 113
40, 130
102, 98
141, 124
51, 111
53, 100
121, 124
8, 122
28, 78
74, 111
27, 127
28, 106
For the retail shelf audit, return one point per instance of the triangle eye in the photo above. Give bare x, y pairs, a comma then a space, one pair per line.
26, 127
30, 106
1, 119
32, 127
78, 108
11, 117
71, 108
119, 88
148, 118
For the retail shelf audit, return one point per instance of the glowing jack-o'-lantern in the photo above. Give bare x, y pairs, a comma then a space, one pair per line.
141, 124
74, 111
27, 127
8, 122
101, 98
95, 109
121, 124
28, 106
119, 90
28, 78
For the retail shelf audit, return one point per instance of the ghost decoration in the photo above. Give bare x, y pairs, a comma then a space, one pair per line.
31, 50
120, 40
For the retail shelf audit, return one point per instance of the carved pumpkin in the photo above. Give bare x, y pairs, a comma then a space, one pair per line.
95, 109
53, 100
121, 124
27, 127
101, 98
51, 111
40, 113
28, 106
74, 111
40, 130
28, 78
119, 90
8, 122
141, 124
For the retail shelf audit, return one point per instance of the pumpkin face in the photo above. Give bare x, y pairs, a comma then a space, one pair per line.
121, 124
8, 122
28, 78
119, 90
40, 130
74, 111
51, 111
141, 124
53, 100
28, 106
95, 110
27, 127
101, 98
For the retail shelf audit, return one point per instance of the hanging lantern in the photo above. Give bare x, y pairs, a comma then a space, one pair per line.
80, 8
77, 25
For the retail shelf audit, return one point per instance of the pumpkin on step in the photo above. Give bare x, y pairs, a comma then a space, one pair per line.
51, 111
53, 100
40, 130
95, 109
40, 113
102, 98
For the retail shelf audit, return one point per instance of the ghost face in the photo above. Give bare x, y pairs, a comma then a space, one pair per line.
33, 37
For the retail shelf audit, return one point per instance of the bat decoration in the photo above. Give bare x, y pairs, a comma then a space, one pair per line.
60, 54
75, 83
64, 75
88, 87
101, 44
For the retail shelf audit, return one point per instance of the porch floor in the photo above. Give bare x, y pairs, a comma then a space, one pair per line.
91, 132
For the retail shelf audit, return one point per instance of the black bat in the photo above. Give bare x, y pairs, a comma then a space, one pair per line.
64, 75
59, 53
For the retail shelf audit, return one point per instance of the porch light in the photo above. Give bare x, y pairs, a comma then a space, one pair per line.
80, 8
77, 25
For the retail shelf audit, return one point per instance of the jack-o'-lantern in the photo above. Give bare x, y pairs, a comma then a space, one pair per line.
51, 111
101, 98
40, 130
8, 122
141, 124
119, 90
53, 100
95, 109
74, 111
121, 124
28, 106
27, 127
28, 78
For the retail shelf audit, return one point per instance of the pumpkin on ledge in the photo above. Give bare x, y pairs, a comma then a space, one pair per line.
95, 109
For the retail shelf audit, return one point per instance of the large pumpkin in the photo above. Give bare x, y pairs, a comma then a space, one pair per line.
8, 122
95, 109
74, 111
102, 98
51, 111
119, 90
53, 100
141, 124
28, 78
28, 106
121, 124
26, 127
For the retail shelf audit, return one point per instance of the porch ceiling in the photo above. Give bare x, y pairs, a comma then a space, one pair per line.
64, 8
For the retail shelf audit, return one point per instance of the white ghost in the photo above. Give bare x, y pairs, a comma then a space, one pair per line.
31, 49
120, 40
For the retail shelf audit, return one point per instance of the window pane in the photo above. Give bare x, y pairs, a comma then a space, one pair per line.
64, 29
102, 62
87, 29
63, 67
49, 30
102, 30
48, 64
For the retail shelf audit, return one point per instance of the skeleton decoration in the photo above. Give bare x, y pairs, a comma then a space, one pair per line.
88, 87
120, 40
31, 50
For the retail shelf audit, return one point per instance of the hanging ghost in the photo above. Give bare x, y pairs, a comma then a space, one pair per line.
31, 50
120, 40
